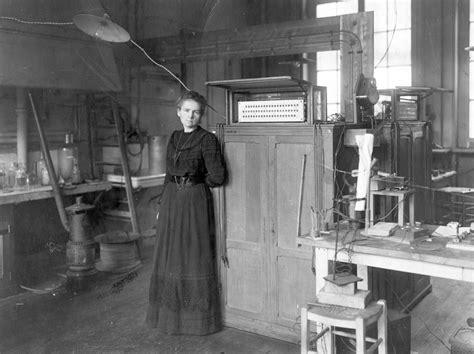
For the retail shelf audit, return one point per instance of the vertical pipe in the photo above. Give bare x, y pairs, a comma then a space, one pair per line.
22, 126
304, 66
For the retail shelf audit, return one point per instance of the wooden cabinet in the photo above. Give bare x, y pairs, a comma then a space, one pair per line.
269, 277
405, 149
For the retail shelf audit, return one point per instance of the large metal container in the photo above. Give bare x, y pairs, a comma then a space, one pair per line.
157, 154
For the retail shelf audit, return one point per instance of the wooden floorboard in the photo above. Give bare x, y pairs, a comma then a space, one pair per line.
108, 317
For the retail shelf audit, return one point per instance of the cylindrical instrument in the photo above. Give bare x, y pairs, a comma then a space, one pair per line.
157, 154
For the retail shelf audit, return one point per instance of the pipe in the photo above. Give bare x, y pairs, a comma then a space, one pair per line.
49, 166
21, 127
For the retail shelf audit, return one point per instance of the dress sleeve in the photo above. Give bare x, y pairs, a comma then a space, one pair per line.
213, 160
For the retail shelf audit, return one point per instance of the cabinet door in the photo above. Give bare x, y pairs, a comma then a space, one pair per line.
293, 283
246, 277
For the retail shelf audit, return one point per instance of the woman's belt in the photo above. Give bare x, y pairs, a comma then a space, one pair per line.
187, 181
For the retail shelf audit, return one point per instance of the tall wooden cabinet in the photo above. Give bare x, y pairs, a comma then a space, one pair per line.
269, 277
281, 164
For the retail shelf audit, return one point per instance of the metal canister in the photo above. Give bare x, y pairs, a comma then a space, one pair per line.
80, 250
157, 154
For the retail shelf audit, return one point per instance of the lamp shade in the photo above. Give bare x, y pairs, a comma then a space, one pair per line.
101, 28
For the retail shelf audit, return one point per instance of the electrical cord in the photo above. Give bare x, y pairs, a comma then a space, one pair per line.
36, 22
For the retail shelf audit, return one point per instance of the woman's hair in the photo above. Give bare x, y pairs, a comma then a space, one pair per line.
192, 95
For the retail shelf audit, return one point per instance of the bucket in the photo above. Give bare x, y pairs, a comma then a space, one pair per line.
157, 154
118, 252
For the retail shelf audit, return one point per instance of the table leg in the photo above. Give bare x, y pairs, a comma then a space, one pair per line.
371, 207
411, 206
321, 264
401, 210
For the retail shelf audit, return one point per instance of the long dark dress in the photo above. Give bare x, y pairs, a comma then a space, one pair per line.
184, 292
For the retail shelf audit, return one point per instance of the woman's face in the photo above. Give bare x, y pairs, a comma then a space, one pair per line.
190, 115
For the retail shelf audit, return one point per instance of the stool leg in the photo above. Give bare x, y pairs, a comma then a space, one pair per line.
360, 335
304, 331
382, 328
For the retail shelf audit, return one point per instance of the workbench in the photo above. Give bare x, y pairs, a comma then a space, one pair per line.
366, 252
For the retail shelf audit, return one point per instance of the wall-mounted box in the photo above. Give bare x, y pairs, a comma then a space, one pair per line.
279, 99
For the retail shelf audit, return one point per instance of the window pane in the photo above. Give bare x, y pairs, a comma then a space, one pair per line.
471, 80
402, 9
379, 7
333, 108
381, 75
336, 8
399, 76
471, 71
380, 46
326, 10
471, 34
330, 79
400, 48
471, 119
347, 7
328, 60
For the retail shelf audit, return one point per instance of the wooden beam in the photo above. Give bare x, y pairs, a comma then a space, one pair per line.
253, 41
352, 34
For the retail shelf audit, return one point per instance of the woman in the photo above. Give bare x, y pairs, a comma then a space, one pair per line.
184, 292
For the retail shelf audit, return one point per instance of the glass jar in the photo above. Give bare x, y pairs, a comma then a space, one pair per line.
20, 176
66, 156
2, 175
11, 177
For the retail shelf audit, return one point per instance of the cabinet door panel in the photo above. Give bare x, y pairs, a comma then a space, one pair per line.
296, 286
245, 191
294, 283
246, 285
245, 289
288, 170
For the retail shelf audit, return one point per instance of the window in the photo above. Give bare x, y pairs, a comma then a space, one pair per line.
392, 46
471, 70
329, 63
392, 42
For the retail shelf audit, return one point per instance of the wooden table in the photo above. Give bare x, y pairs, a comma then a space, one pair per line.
444, 262
43, 192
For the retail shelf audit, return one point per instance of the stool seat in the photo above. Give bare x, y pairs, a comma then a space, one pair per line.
333, 316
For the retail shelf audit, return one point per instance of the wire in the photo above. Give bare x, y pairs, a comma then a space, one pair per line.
158, 64
36, 22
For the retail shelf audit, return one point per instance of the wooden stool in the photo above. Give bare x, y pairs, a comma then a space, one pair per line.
401, 196
346, 317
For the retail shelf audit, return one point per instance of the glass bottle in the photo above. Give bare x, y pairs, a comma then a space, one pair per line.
76, 173
66, 156
20, 176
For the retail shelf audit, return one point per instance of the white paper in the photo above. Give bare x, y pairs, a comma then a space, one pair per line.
366, 144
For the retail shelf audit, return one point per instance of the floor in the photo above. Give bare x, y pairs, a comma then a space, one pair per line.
107, 315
